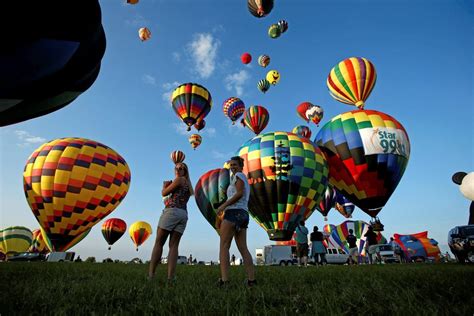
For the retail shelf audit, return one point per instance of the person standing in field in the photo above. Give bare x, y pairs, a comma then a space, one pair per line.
235, 222
173, 220
353, 250
318, 250
371, 244
232, 260
302, 244
397, 250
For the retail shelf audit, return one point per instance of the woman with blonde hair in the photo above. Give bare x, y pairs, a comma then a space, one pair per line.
173, 220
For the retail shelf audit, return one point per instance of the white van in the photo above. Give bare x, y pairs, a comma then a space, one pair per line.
333, 256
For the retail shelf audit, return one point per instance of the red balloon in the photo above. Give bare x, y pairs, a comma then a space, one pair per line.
246, 58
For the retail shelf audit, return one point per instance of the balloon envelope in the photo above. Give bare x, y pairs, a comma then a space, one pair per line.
191, 102
139, 232
113, 229
233, 108
256, 118
260, 8
15, 239
287, 175
467, 186
177, 156
302, 131
38, 244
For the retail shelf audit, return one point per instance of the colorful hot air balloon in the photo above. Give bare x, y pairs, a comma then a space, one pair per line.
113, 229
337, 235
273, 77
302, 131
132, 1
256, 118
246, 58
70, 185
38, 244
144, 34
327, 202
195, 140
283, 25
291, 242
210, 193
200, 125
352, 80
302, 108
263, 85
177, 156
344, 206
51, 53
315, 114
139, 232
274, 31
287, 175
191, 102
15, 239
260, 8
233, 108
264, 60
367, 152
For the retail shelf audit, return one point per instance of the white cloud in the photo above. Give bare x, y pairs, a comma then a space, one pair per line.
220, 155
203, 50
181, 129
209, 131
27, 139
169, 88
235, 82
137, 21
176, 57
149, 79
237, 128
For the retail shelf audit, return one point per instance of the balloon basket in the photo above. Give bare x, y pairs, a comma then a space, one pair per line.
280, 235
137, 249
377, 226
110, 247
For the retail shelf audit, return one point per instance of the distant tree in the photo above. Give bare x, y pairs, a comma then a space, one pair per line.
90, 259
107, 260
117, 261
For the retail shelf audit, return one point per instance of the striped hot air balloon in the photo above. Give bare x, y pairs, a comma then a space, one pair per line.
38, 244
264, 60
327, 202
287, 175
139, 232
260, 8
344, 206
177, 156
263, 85
210, 193
302, 131
191, 102
256, 118
15, 239
283, 25
71, 184
113, 229
144, 34
195, 140
233, 108
352, 80
367, 152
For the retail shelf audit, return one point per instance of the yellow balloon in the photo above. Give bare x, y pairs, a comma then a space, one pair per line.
15, 239
273, 77
139, 232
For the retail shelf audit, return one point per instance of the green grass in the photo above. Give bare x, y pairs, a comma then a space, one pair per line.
113, 288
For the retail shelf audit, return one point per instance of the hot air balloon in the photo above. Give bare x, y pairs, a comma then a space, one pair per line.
191, 102
302, 108
344, 206
337, 235
315, 114
274, 31
283, 25
256, 118
287, 175
302, 131
139, 232
264, 60
200, 125
132, 1
273, 77
70, 185
15, 239
51, 63
210, 193
260, 8
291, 242
177, 156
113, 229
38, 244
327, 202
195, 140
352, 80
144, 34
246, 58
367, 152
233, 108
263, 85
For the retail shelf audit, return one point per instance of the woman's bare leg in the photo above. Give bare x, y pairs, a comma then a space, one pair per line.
173, 254
160, 240
241, 241
227, 231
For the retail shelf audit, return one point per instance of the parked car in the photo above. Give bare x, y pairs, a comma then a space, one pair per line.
333, 256
461, 243
387, 254
28, 256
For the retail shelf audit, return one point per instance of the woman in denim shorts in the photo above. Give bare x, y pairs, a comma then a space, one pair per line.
235, 222
173, 220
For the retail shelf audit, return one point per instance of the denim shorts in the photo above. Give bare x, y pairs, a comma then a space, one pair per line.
237, 216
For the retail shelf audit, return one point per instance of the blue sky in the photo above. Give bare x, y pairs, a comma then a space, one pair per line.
422, 50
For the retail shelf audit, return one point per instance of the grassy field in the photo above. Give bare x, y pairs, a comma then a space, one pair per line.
114, 288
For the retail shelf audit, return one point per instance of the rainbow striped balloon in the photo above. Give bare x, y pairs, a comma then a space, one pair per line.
233, 108
191, 102
367, 152
38, 244
352, 80
256, 118
113, 229
177, 156
195, 140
